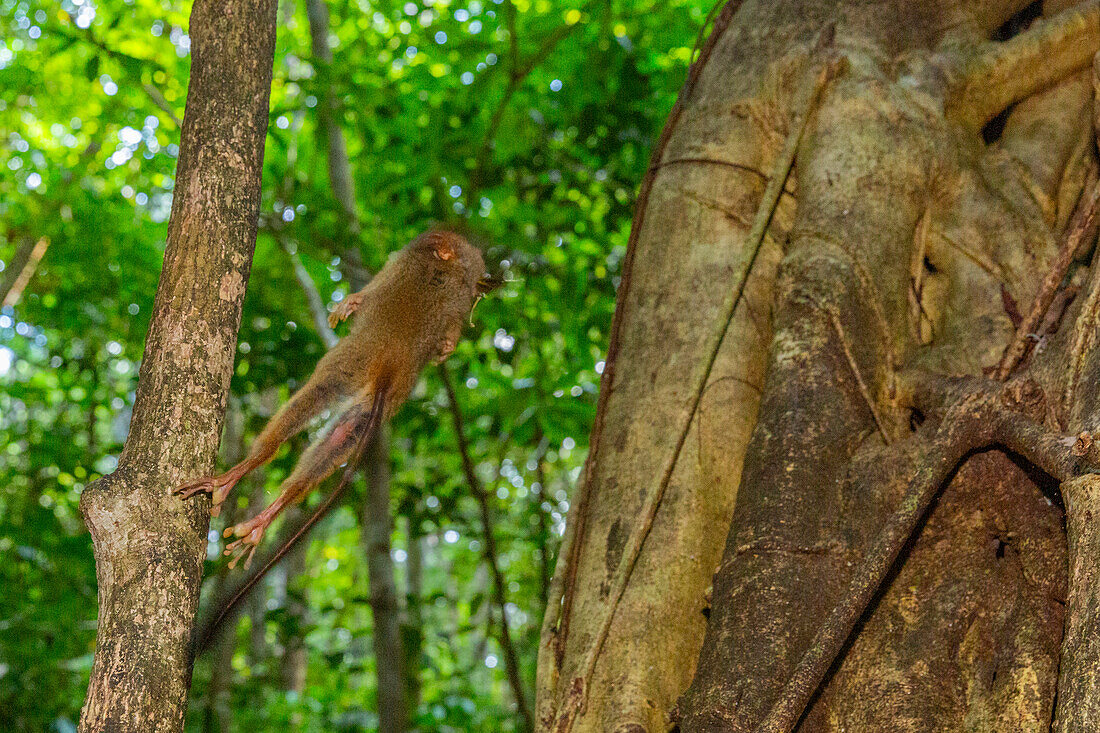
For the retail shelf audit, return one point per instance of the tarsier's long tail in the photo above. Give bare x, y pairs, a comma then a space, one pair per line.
365, 430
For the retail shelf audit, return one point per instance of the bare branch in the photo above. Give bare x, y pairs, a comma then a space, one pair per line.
517, 74
317, 311
21, 269
511, 661
1081, 227
130, 65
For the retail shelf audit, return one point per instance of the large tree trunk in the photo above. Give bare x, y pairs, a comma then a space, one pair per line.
150, 545
903, 242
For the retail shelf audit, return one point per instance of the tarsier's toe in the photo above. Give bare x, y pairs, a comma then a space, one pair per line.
249, 533
241, 549
186, 491
251, 530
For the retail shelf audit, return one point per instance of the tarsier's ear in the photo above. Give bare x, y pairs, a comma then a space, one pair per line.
442, 247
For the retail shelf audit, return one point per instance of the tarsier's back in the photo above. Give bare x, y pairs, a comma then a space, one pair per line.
413, 311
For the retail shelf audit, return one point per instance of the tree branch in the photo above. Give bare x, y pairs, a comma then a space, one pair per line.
20, 269
517, 75
332, 139
511, 661
131, 66
1081, 227
317, 311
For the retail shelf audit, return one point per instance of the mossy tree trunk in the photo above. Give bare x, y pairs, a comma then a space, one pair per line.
150, 545
939, 165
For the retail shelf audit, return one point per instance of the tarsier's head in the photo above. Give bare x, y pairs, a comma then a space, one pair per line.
452, 255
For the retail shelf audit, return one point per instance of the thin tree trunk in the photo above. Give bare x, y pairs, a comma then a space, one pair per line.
332, 140
377, 529
317, 312
393, 708
413, 625
293, 665
149, 545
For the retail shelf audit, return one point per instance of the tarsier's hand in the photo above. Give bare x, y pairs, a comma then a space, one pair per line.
345, 308
450, 341
445, 349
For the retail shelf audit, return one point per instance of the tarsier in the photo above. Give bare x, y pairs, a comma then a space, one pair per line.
411, 313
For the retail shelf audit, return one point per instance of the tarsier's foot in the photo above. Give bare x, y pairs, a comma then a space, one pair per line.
217, 486
250, 534
345, 308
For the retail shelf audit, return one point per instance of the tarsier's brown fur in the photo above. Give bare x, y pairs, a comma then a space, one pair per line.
411, 313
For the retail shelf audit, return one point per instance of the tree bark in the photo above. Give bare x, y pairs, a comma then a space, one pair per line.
150, 546
904, 232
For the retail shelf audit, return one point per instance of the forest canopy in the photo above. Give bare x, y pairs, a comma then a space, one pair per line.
528, 122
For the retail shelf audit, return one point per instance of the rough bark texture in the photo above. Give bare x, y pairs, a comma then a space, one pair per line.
149, 545
1079, 701
907, 227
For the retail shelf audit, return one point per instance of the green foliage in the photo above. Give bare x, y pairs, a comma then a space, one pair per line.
529, 122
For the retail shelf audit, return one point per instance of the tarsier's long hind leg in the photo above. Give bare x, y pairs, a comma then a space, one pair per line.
344, 441
309, 401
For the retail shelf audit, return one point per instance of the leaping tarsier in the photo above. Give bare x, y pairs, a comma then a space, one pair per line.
411, 313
